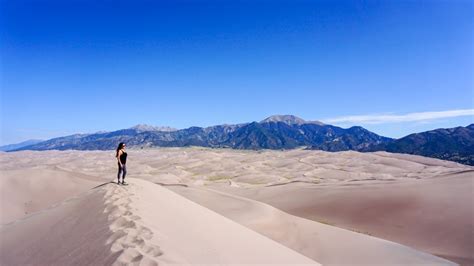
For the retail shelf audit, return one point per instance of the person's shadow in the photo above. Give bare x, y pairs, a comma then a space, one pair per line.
110, 182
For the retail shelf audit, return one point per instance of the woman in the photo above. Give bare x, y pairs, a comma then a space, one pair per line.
122, 160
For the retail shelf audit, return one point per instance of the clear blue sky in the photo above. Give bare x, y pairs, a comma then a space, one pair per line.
84, 66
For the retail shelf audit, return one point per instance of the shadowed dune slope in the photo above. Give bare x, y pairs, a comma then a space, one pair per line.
28, 190
72, 233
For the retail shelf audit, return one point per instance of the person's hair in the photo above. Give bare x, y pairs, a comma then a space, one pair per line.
120, 146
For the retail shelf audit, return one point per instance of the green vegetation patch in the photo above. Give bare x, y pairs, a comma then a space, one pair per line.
218, 177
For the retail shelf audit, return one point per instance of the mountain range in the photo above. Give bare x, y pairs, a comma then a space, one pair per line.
11, 147
276, 132
453, 144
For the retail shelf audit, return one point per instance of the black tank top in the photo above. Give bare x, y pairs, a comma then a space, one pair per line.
123, 157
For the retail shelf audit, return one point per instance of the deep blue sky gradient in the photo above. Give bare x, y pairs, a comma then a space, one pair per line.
85, 66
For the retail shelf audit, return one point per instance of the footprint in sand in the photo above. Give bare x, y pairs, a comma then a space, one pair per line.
129, 237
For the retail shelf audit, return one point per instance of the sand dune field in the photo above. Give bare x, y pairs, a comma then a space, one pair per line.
220, 206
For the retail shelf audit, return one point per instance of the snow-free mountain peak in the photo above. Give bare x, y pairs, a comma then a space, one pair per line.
145, 127
289, 119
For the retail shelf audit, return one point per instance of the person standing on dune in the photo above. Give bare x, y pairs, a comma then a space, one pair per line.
121, 156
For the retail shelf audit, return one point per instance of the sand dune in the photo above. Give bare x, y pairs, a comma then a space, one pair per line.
420, 202
72, 233
25, 191
242, 167
434, 215
326, 244
140, 224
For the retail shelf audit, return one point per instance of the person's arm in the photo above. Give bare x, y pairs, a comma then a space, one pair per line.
118, 157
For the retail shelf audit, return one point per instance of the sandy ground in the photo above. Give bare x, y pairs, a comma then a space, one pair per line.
432, 215
424, 203
73, 232
326, 244
122, 225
